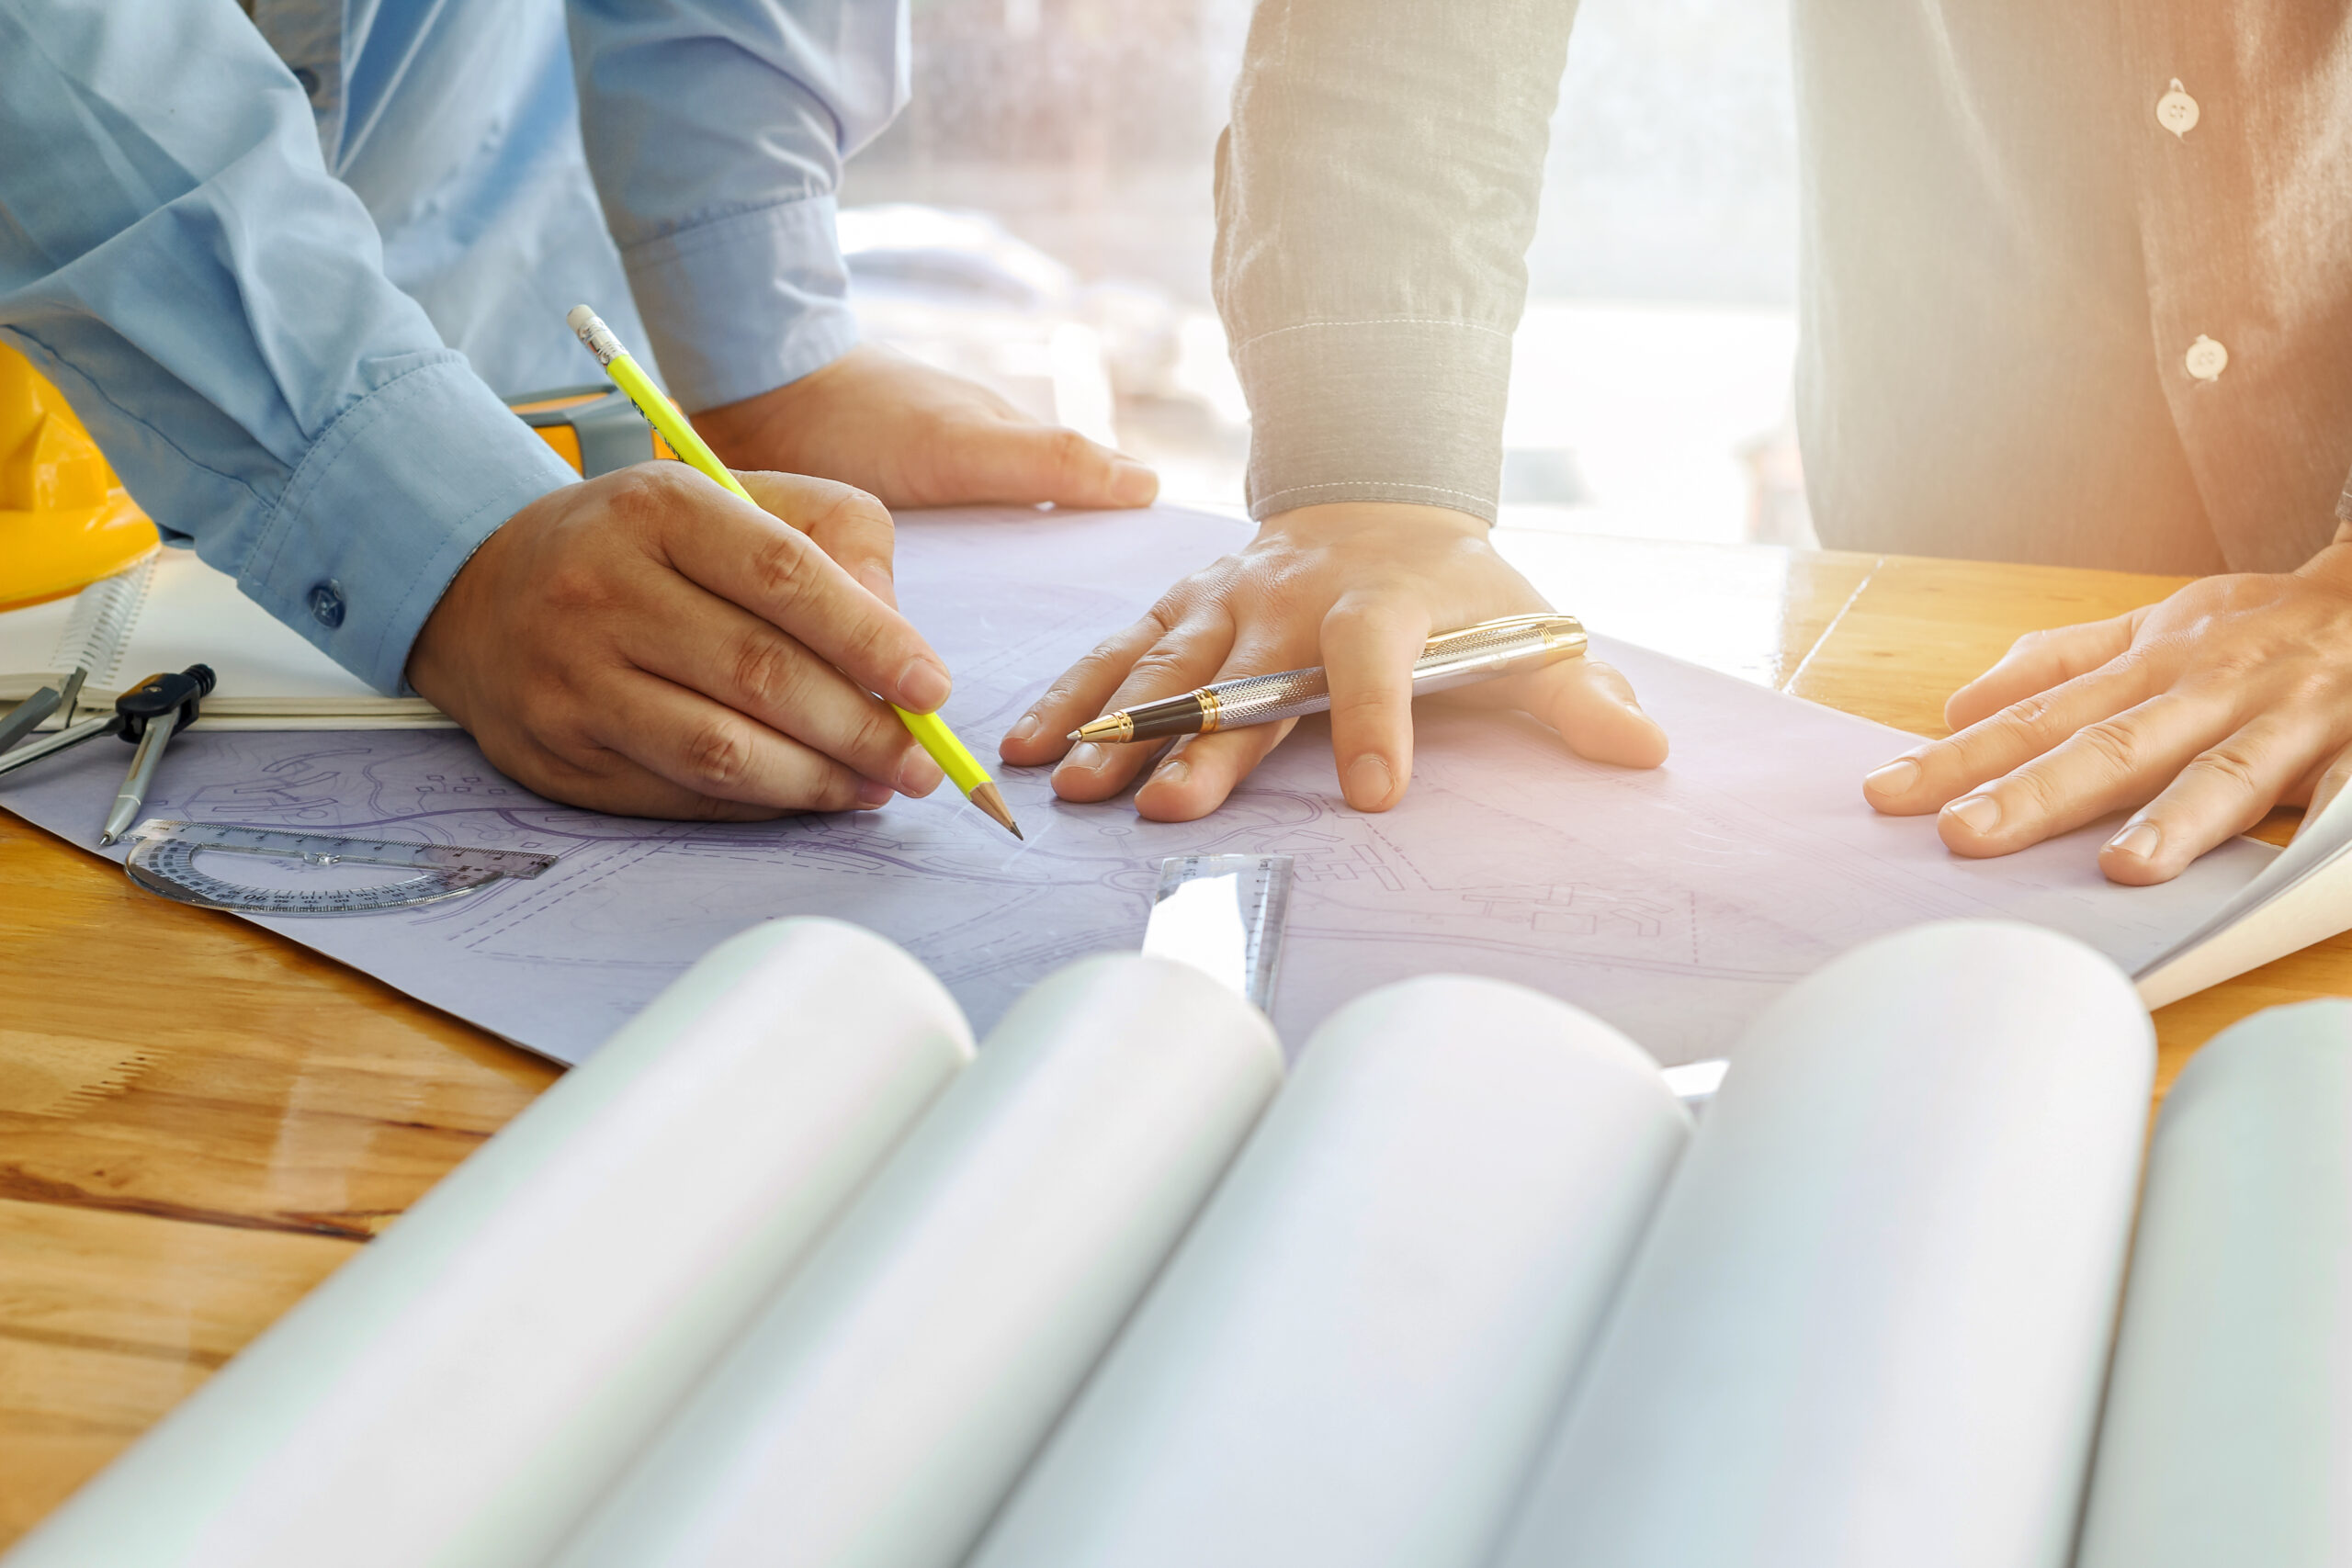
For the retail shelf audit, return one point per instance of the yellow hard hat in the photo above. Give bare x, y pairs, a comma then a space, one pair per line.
65, 520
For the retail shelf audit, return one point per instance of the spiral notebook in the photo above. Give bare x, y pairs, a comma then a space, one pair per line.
170, 611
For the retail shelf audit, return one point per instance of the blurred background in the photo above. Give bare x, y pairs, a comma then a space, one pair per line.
1040, 219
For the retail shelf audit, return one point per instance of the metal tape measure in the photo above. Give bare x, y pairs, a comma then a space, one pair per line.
1224, 914
163, 859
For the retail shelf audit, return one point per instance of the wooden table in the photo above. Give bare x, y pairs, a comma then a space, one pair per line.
199, 1121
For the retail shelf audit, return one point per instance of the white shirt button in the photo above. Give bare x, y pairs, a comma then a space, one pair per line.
2176, 111
2206, 359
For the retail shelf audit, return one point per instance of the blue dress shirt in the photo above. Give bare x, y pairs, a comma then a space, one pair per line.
284, 266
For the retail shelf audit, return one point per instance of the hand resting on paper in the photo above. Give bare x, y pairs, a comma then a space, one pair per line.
911, 435
646, 643
1357, 587
2231, 696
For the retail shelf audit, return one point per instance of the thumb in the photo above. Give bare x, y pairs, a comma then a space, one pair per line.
1026, 464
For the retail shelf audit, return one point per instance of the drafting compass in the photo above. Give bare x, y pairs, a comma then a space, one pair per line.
148, 715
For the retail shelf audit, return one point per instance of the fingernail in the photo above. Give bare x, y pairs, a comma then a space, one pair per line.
1893, 778
2138, 840
1172, 773
1025, 729
1087, 757
1977, 813
923, 685
872, 792
1369, 778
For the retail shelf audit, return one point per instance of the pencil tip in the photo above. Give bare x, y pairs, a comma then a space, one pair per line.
991, 799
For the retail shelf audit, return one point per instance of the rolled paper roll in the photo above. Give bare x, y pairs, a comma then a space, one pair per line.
461, 1391
883, 1405
2228, 1433
1870, 1322
1354, 1357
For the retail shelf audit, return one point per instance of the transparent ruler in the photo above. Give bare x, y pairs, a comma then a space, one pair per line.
1224, 914
163, 860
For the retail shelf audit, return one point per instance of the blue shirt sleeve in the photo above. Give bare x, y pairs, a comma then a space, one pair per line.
175, 257
717, 130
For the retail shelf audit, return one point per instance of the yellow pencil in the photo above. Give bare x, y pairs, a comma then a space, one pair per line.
931, 732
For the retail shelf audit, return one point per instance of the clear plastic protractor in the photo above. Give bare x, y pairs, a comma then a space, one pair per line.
174, 860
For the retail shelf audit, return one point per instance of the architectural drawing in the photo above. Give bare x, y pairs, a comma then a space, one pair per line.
1671, 903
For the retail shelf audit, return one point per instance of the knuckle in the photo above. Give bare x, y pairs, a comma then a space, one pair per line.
2232, 661
1160, 665
841, 504
868, 639
1379, 614
880, 737
2030, 788
872, 515
767, 670
577, 587
1361, 703
642, 495
1069, 452
779, 567
2230, 763
2111, 742
2032, 714
2316, 685
718, 756
830, 788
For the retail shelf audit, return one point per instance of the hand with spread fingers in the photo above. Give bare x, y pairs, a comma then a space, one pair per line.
1357, 587
647, 643
2204, 711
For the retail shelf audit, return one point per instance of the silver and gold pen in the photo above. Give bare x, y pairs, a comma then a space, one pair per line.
1477, 653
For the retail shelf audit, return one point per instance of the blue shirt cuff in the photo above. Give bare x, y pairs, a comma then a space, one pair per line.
390, 502
746, 303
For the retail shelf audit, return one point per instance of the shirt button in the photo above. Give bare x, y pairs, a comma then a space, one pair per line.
308, 80
2206, 359
2176, 111
326, 598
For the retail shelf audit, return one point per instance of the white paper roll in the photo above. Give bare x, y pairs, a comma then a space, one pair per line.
2228, 1433
458, 1393
1354, 1357
1869, 1321
885, 1401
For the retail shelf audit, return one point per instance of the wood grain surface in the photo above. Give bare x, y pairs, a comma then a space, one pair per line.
199, 1121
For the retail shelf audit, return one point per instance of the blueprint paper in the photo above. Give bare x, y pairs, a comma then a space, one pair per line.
464, 1391
1869, 1321
881, 1406
2226, 1435
1360, 1346
1671, 903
